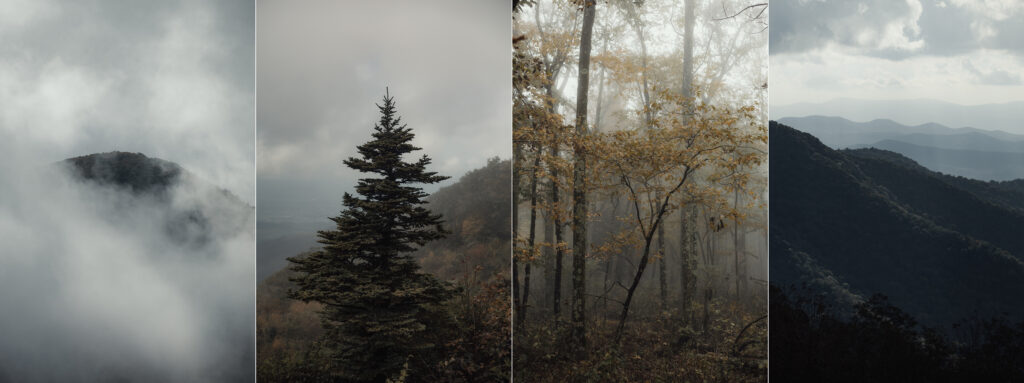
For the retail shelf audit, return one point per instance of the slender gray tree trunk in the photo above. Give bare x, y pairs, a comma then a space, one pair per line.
579, 195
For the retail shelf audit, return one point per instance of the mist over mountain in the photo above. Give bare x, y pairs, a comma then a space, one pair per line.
967, 152
208, 213
1008, 117
121, 267
852, 223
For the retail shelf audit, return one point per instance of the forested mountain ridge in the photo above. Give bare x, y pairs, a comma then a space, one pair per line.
476, 212
947, 204
969, 152
997, 116
868, 221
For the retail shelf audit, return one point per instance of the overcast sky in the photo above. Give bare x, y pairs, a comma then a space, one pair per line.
322, 65
169, 79
961, 51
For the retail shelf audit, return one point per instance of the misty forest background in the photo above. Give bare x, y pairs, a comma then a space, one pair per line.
640, 147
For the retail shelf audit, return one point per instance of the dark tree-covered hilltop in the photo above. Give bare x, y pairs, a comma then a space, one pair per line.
192, 218
133, 171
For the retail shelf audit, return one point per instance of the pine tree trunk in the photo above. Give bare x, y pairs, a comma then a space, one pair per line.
579, 195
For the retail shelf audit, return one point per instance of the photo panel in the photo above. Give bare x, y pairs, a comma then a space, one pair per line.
127, 191
384, 179
640, 185
897, 185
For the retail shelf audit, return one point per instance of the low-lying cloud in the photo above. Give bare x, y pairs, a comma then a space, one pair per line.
96, 286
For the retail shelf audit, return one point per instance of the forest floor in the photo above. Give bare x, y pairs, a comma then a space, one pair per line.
653, 349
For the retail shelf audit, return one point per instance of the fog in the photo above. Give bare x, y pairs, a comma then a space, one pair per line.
98, 283
96, 287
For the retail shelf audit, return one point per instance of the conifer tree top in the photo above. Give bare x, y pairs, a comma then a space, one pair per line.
383, 154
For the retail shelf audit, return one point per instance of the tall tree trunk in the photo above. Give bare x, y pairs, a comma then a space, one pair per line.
579, 195
557, 215
531, 241
518, 155
600, 92
688, 217
687, 261
736, 245
549, 257
559, 253
663, 283
688, 22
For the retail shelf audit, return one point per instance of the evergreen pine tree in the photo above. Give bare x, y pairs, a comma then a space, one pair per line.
376, 301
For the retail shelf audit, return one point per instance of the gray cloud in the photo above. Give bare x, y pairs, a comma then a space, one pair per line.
170, 79
880, 26
994, 77
323, 65
897, 29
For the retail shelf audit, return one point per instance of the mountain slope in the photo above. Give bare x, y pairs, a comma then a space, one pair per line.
836, 226
963, 141
931, 195
975, 164
838, 132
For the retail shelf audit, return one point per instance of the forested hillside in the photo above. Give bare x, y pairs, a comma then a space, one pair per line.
883, 270
866, 221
